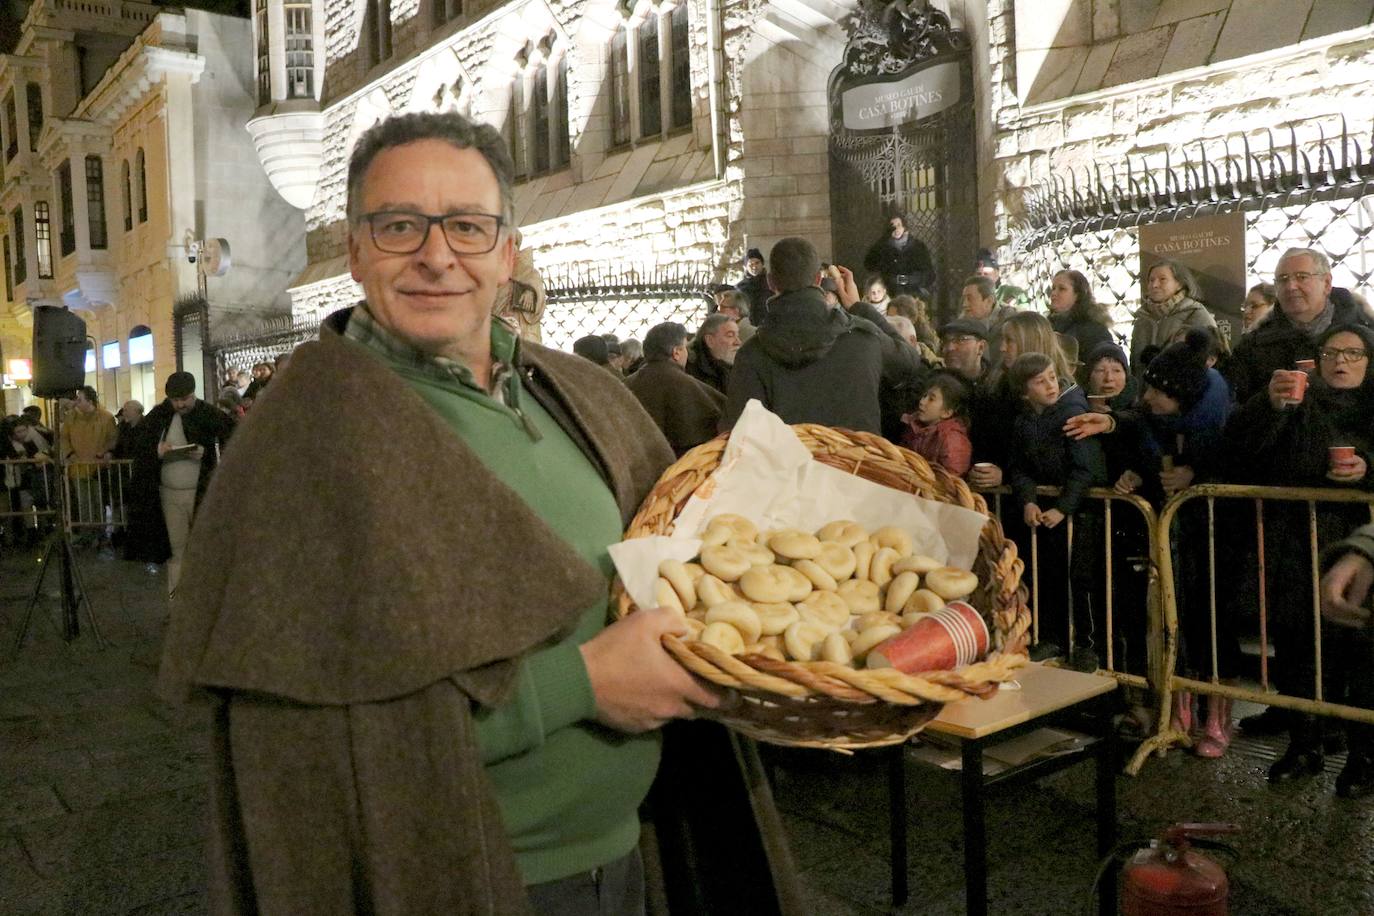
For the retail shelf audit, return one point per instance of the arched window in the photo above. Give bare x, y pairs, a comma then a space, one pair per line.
128, 196
514, 129
650, 101
539, 111
42, 230
619, 70
680, 68
142, 177
562, 152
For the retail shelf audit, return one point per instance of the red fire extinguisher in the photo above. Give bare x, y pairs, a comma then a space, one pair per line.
1171, 878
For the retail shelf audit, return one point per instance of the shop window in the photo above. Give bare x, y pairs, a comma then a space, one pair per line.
67, 234
42, 233
95, 202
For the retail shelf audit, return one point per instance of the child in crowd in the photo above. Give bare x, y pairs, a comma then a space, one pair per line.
1041, 455
938, 429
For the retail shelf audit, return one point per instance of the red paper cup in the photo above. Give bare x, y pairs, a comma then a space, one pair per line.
1306, 365
1098, 402
1299, 386
1340, 454
954, 636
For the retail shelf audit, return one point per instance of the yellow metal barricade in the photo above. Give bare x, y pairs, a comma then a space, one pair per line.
96, 494
1105, 501
1166, 637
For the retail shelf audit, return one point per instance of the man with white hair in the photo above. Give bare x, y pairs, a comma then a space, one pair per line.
903, 326
1308, 305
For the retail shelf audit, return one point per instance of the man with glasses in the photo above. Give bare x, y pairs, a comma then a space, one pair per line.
1308, 305
399, 589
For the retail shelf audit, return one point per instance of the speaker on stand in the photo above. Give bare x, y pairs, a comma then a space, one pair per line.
59, 368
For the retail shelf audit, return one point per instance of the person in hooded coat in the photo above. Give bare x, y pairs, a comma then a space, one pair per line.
811, 363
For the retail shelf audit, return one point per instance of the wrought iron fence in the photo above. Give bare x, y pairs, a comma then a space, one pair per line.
1297, 188
277, 335
625, 302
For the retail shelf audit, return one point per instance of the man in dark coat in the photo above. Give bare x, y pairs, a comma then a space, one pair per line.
175, 449
812, 363
1307, 307
685, 409
903, 261
712, 354
755, 286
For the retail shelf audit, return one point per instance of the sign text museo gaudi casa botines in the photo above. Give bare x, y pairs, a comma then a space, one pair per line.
884, 104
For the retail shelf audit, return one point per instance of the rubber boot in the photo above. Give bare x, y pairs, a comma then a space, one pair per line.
1216, 734
1182, 720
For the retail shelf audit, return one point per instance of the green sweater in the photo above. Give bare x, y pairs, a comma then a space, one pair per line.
569, 789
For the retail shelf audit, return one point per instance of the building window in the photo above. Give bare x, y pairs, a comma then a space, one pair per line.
142, 186
445, 11
562, 152
378, 27
34, 96
515, 132
42, 231
539, 116
650, 103
620, 87
11, 128
300, 52
95, 201
264, 55
128, 196
67, 235
9, 271
680, 61
21, 267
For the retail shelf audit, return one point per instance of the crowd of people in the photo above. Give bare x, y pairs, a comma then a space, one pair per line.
1006, 395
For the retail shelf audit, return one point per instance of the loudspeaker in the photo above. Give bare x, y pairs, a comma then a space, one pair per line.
59, 351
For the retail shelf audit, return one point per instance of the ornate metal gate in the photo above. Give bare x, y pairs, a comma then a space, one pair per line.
924, 170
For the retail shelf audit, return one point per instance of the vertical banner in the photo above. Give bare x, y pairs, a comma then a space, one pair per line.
1213, 248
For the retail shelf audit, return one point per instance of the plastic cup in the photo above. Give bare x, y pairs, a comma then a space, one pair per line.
954, 636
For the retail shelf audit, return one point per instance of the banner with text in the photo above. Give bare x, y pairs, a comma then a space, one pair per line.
884, 104
1213, 248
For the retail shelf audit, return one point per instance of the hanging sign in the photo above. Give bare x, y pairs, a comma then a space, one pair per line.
1213, 248
884, 104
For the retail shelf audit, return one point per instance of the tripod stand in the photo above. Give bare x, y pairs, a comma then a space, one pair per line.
59, 544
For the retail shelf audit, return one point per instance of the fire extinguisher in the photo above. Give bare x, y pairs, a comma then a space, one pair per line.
1171, 878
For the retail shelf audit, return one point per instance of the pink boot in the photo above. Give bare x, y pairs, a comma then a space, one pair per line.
1182, 720
1216, 735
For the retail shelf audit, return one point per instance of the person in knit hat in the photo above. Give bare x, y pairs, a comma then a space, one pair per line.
1174, 440
755, 286
1107, 373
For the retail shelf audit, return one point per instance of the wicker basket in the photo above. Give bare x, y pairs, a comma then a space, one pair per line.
822, 704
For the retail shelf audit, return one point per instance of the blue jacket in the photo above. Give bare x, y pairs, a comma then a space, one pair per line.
1043, 456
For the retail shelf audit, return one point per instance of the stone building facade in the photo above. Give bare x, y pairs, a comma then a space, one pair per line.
125, 142
1080, 90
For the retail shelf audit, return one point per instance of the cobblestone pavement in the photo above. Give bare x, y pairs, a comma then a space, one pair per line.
102, 790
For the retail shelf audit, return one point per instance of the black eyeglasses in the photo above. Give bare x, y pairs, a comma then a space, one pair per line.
405, 231
1348, 354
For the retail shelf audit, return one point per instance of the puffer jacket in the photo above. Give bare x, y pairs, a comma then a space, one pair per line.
1157, 325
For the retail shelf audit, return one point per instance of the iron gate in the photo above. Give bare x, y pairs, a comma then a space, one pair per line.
624, 302
924, 171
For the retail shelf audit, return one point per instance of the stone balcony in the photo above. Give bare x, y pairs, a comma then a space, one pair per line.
289, 138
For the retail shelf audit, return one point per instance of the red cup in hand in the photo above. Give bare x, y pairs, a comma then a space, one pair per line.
1340, 457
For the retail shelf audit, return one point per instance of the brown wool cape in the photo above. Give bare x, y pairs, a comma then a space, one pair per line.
356, 579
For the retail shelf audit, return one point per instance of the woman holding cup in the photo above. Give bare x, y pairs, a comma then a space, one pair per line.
1309, 431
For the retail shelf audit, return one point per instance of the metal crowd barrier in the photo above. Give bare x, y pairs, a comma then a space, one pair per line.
95, 493
1168, 680
1104, 500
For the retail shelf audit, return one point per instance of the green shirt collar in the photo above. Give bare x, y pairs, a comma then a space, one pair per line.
505, 354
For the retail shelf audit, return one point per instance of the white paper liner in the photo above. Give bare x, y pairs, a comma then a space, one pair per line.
768, 476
